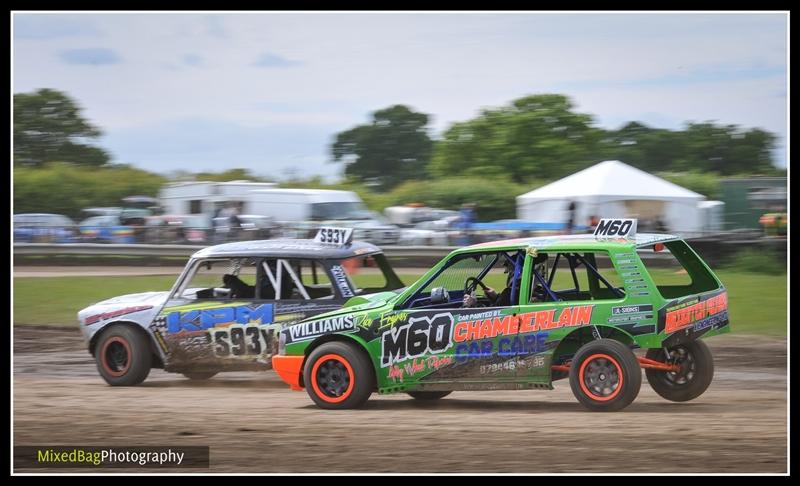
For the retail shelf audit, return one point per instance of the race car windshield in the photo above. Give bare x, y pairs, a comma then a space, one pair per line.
339, 210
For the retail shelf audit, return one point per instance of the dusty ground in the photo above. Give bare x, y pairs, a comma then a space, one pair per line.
253, 423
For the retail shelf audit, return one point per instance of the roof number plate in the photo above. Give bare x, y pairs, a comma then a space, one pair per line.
616, 228
334, 236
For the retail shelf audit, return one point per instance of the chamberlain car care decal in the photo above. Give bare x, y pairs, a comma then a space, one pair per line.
340, 277
120, 312
697, 312
419, 336
310, 330
202, 319
518, 345
475, 335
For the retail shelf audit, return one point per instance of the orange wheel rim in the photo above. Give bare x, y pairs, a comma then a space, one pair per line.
330, 375
600, 376
118, 351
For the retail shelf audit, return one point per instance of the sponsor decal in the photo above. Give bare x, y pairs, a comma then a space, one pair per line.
711, 321
636, 318
390, 319
417, 366
631, 309
524, 323
341, 280
520, 345
478, 315
110, 315
421, 335
202, 319
512, 365
689, 313
310, 330
161, 343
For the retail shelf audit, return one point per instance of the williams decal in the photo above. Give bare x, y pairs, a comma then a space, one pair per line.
310, 330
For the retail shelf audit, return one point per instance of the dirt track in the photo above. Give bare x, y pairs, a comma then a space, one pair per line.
254, 423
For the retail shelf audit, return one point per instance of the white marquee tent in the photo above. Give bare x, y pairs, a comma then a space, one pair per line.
613, 189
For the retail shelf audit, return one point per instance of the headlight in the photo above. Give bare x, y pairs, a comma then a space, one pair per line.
282, 343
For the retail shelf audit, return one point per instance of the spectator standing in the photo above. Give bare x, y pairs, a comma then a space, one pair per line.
571, 217
466, 216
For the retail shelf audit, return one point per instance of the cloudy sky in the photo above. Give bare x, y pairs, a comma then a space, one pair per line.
268, 91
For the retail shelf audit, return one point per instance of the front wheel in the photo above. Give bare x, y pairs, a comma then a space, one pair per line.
605, 375
429, 395
338, 375
695, 375
123, 356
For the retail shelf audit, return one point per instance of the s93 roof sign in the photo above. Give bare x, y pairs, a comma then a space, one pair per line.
615, 228
334, 236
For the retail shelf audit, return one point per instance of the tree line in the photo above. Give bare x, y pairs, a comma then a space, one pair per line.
540, 137
393, 159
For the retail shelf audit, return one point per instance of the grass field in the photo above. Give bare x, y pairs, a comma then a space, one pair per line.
757, 303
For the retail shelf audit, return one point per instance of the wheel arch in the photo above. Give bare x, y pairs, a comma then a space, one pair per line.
570, 343
360, 345
154, 350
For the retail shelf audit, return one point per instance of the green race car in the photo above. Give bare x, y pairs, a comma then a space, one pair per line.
573, 306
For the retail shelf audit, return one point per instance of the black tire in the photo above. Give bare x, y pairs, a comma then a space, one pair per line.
123, 355
605, 375
199, 375
697, 371
429, 395
338, 376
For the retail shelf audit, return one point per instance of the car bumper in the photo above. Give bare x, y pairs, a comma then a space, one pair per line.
290, 369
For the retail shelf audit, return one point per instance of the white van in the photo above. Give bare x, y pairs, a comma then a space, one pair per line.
306, 210
306, 204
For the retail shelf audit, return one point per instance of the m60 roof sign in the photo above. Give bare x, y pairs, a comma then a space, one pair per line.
615, 228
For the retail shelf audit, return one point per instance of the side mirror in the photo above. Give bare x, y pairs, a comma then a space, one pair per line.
439, 295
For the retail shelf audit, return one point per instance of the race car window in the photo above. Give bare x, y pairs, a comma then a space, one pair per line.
221, 279
365, 274
283, 275
567, 276
313, 278
676, 270
454, 277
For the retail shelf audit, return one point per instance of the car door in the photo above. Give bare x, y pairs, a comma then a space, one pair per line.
444, 342
565, 290
206, 325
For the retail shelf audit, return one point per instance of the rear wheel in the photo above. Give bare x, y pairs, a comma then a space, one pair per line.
605, 375
123, 356
694, 377
338, 375
429, 395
